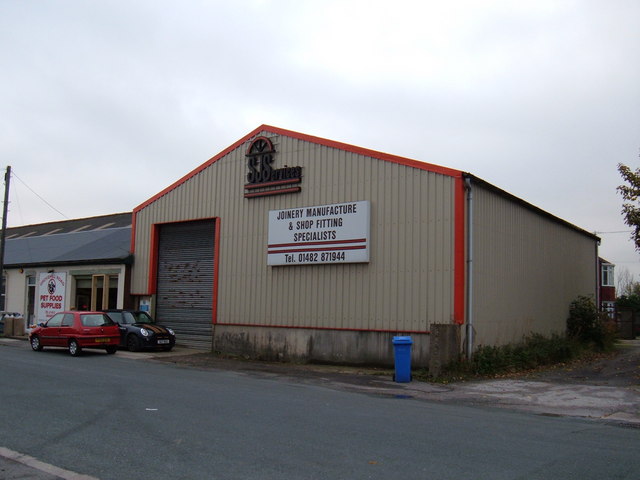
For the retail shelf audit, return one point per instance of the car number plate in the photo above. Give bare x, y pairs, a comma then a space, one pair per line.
102, 340
162, 341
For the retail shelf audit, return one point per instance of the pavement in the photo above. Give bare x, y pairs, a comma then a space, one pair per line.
16, 466
607, 390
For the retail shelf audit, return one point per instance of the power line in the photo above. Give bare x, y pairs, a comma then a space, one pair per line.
13, 174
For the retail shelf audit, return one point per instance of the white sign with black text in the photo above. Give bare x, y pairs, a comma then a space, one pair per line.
336, 233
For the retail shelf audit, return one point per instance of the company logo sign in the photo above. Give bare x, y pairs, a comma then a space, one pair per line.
263, 178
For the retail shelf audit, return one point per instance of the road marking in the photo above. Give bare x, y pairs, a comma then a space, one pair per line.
43, 467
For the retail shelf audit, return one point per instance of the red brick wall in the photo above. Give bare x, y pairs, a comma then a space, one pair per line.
607, 294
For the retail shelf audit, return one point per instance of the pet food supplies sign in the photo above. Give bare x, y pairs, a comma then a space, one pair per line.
52, 289
336, 233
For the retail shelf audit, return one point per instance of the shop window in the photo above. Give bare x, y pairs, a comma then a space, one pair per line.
96, 292
99, 294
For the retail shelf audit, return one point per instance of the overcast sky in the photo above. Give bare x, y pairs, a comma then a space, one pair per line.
105, 103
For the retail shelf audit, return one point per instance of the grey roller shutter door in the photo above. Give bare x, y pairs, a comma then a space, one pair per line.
184, 299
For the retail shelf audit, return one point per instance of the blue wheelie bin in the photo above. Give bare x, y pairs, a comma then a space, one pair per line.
402, 356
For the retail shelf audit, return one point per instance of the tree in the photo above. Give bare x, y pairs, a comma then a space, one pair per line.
625, 283
630, 194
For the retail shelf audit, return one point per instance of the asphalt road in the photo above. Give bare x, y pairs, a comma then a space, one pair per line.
112, 417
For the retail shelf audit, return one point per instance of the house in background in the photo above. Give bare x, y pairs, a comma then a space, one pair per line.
606, 287
77, 264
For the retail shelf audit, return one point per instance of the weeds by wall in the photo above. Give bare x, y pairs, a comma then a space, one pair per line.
587, 331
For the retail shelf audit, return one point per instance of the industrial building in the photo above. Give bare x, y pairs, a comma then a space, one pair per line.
292, 247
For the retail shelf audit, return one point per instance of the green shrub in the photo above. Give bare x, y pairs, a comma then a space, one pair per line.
630, 302
534, 351
586, 324
586, 329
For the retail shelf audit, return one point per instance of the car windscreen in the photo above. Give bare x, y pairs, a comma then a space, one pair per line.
142, 317
126, 318
117, 317
95, 320
129, 318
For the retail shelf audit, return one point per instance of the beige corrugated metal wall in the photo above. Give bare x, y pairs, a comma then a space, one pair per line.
407, 285
527, 269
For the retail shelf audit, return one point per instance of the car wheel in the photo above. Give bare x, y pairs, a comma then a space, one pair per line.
35, 343
74, 348
133, 344
111, 349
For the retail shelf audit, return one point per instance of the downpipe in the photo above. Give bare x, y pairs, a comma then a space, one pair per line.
469, 276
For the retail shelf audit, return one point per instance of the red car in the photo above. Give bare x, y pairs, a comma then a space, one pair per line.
75, 331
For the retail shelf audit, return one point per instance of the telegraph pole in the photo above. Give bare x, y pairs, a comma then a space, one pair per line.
5, 209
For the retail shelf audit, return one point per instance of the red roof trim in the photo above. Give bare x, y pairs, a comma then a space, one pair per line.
307, 138
273, 192
276, 183
299, 327
366, 152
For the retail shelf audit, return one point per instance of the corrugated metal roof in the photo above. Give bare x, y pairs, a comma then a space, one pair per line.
109, 245
530, 206
115, 220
